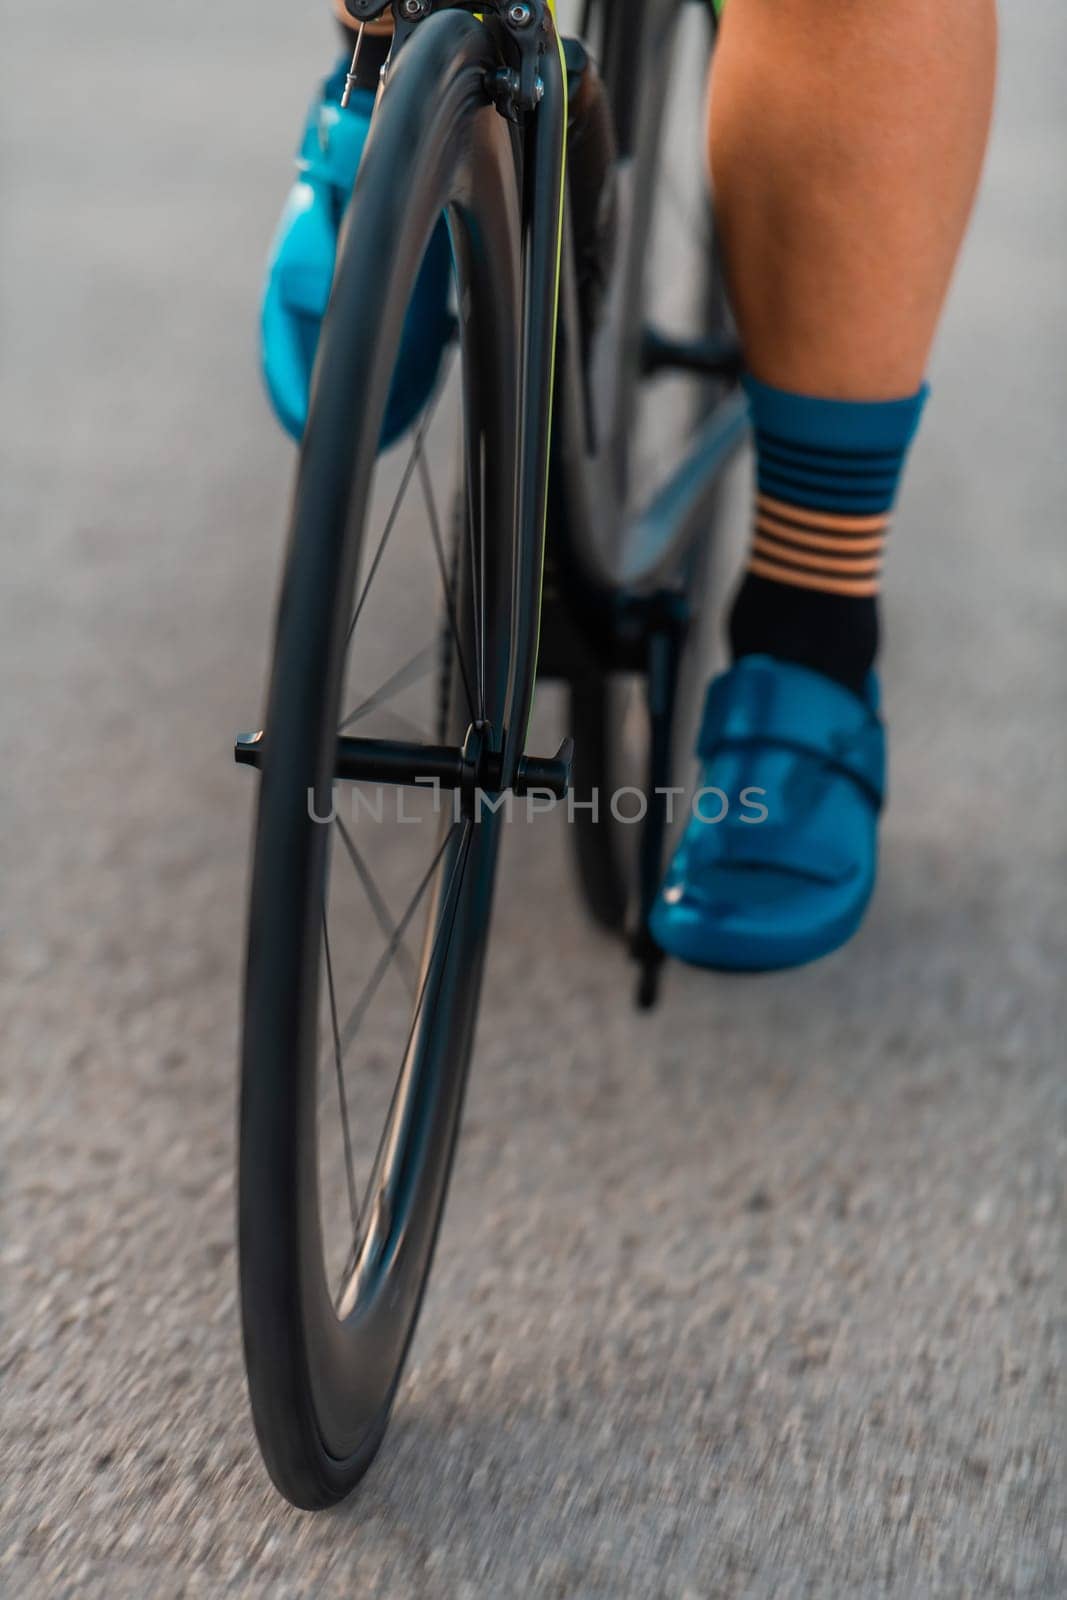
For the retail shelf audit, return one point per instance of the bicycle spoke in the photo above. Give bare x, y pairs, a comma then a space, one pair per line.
442, 563
390, 524
370, 989
444, 932
697, 227
405, 726
346, 1133
395, 508
344, 1038
379, 907
403, 678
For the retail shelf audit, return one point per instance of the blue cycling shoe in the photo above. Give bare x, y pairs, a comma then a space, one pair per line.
300, 272
752, 893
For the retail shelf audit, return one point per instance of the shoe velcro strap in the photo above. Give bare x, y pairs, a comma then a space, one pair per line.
761, 703
791, 849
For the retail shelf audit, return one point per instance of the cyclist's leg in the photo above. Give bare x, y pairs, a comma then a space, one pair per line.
301, 266
846, 139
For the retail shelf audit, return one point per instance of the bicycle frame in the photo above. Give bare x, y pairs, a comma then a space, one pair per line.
655, 541
620, 607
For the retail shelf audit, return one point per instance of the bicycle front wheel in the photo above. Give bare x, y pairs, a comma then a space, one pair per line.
365, 952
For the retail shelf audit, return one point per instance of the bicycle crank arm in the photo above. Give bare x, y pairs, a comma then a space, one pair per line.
718, 357
469, 766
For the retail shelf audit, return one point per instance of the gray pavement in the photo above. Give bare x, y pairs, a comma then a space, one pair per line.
756, 1297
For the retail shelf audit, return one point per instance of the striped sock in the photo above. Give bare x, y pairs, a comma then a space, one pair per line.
827, 473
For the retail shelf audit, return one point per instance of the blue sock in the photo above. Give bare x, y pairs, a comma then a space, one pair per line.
826, 475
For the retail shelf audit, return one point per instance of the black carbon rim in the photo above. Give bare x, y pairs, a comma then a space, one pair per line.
324, 1357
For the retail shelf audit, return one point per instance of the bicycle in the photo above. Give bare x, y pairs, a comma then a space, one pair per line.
471, 125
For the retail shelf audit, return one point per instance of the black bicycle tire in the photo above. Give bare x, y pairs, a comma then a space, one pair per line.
322, 1389
604, 849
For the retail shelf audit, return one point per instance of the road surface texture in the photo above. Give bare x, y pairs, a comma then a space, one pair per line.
758, 1296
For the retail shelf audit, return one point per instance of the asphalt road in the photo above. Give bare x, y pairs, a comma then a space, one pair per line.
756, 1297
